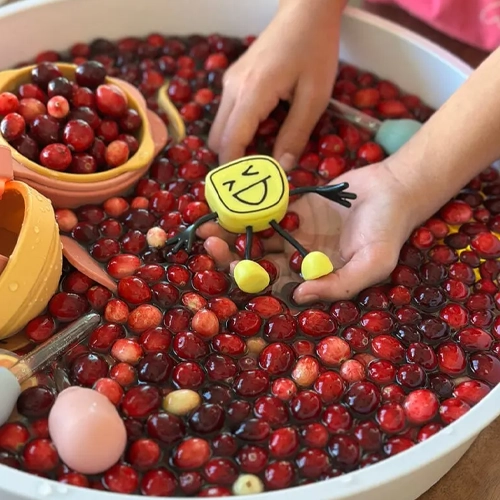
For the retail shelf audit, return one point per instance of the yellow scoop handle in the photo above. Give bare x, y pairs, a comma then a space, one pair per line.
177, 127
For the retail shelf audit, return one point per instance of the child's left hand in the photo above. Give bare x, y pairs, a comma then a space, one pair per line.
363, 241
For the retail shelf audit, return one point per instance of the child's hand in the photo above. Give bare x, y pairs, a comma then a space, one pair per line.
294, 59
363, 241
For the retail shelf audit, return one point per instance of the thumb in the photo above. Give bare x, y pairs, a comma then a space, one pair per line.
308, 105
367, 267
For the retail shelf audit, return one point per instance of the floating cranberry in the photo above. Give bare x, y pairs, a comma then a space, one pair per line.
391, 418
277, 358
421, 406
452, 409
159, 483
40, 455
451, 358
87, 369
387, 347
485, 367
316, 323
134, 290
141, 401
35, 402
167, 428
192, 453
121, 479
251, 383
363, 397
67, 307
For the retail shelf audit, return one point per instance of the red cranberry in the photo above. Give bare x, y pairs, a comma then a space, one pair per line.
363, 397
452, 409
451, 358
277, 358
141, 401
40, 455
56, 157
485, 367
192, 453
35, 402
159, 483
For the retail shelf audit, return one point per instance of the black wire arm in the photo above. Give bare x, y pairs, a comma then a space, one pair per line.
334, 192
186, 238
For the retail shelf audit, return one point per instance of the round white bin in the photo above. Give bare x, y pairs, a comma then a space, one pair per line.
376, 45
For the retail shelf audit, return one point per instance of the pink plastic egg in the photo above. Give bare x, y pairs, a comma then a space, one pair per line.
87, 431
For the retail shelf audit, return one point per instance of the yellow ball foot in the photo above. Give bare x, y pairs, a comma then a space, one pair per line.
315, 265
250, 276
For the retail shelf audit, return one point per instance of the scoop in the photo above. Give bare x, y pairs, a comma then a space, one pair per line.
391, 135
12, 378
69, 190
177, 127
80, 259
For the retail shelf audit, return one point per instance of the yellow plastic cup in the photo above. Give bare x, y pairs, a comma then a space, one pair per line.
29, 240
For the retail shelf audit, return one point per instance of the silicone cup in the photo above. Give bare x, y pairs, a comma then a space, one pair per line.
72, 190
29, 239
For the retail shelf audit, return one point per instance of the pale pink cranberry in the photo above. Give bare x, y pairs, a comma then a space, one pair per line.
127, 351
116, 311
144, 317
109, 388
115, 207
352, 371
66, 219
305, 371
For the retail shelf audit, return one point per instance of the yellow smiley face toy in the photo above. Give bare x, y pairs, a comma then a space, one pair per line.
250, 195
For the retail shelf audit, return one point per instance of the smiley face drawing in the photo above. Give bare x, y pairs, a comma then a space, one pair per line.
249, 195
249, 191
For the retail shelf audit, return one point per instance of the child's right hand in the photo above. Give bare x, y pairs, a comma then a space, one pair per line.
294, 59
363, 241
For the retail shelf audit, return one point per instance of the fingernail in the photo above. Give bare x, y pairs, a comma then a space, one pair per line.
307, 299
287, 161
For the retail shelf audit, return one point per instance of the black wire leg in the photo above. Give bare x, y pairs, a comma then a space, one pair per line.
288, 237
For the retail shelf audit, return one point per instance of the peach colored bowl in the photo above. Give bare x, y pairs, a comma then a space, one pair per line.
73, 190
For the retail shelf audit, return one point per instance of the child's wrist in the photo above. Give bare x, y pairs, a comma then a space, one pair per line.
315, 7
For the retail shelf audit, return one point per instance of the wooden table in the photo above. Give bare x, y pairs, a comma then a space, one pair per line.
477, 475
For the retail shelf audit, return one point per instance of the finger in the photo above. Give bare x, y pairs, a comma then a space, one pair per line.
249, 110
219, 251
213, 229
366, 267
217, 129
307, 107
